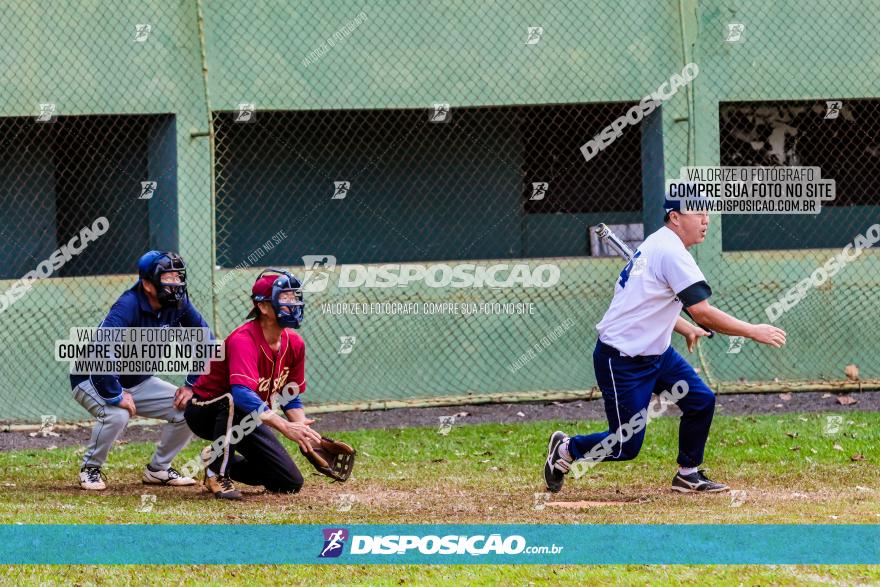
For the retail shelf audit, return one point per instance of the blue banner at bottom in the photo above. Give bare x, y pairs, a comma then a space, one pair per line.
440, 544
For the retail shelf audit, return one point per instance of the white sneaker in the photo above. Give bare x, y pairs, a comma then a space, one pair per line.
91, 478
167, 477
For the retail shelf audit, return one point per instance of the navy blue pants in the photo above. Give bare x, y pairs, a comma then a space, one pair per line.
258, 458
627, 384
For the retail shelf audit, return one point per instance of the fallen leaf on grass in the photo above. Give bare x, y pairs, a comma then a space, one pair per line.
857, 457
795, 448
792, 434
846, 400
852, 372
837, 447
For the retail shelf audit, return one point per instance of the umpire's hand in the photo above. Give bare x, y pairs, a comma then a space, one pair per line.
127, 403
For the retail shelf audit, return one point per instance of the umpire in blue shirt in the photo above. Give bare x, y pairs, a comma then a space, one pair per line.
158, 299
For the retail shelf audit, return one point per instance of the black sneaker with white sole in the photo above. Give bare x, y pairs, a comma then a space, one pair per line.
555, 467
695, 483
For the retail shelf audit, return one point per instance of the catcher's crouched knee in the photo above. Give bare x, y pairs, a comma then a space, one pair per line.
287, 481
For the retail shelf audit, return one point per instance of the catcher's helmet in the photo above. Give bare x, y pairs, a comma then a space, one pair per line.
155, 266
284, 292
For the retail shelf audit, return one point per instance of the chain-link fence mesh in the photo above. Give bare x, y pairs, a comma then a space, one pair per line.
441, 138
423, 170
99, 102
783, 91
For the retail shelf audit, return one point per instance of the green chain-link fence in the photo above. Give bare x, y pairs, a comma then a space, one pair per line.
344, 139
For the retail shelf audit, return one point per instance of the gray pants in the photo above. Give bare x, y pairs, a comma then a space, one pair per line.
154, 398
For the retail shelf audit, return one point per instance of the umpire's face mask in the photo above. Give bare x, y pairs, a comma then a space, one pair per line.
171, 288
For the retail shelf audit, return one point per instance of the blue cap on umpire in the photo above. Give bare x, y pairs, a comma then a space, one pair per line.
147, 262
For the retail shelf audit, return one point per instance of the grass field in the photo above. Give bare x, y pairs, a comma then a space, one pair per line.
789, 468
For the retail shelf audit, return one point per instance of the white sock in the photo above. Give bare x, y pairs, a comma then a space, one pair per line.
687, 470
563, 451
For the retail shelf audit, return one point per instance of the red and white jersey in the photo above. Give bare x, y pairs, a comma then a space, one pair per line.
251, 362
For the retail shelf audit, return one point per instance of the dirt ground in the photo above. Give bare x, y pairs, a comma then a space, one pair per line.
733, 405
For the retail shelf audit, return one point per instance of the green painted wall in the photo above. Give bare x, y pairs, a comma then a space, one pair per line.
82, 56
787, 54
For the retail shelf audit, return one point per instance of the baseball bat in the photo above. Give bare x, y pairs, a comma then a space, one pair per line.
623, 249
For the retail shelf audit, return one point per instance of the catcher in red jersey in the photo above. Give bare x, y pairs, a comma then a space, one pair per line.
231, 404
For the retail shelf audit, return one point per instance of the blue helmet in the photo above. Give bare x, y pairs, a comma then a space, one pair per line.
269, 288
153, 265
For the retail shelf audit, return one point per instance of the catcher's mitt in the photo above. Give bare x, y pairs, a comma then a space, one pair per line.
332, 458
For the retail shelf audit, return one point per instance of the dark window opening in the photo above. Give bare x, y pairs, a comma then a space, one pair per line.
842, 139
58, 177
417, 189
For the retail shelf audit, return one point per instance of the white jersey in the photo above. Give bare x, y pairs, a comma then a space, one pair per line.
645, 307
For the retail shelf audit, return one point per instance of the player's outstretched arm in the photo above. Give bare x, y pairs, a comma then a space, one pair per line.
295, 414
299, 432
724, 323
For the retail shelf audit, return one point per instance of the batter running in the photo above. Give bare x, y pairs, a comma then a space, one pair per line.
633, 358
